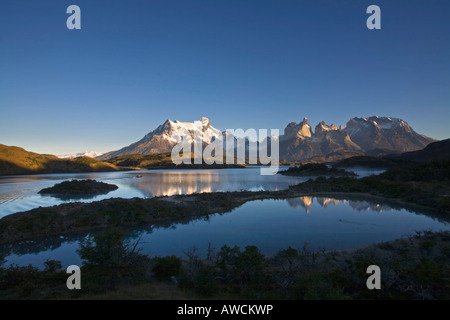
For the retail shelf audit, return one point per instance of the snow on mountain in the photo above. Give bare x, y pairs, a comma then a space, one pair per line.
299, 142
167, 135
174, 131
91, 154
361, 135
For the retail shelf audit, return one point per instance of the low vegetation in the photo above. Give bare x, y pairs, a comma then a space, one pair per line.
77, 217
422, 187
316, 169
369, 162
79, 187
415, 267
426, 185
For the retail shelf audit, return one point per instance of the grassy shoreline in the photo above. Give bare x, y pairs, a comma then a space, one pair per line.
79, 217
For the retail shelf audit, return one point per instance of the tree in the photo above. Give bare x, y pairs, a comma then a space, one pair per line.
108, 259
250, 268
167, 266
227, 261
244, 268
52, 266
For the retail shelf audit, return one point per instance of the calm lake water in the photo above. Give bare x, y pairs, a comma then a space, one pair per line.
272, 225
20, 193
323, 223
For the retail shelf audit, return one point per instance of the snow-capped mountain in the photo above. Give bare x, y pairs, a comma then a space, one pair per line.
167, 135
385, 133
298, 143
91, 154
361, 136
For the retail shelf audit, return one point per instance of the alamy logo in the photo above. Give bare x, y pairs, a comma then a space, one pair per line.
238, 147
73, 281
374, 281
74, 20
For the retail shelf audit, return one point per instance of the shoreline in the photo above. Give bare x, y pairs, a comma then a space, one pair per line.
79, 217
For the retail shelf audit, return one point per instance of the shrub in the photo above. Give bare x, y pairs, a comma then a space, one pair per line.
205, 283
52, 265
314, 286
166, 267
24, 279
108, 259
227, 261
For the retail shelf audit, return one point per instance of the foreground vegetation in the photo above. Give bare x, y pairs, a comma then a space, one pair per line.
416, 267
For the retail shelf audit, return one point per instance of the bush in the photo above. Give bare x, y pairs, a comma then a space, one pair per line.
52, 266
165, 267
205, 283
24, 279
227, 261
314, 286
108, 259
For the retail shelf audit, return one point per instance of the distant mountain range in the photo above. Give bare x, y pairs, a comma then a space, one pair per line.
90, 154
15, 160
361, 136
307, 201
167, 135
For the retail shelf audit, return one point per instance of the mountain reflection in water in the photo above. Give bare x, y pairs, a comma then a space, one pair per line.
359, 205
270, 224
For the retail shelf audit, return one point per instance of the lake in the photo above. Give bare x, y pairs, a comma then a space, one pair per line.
272, 225
20, 193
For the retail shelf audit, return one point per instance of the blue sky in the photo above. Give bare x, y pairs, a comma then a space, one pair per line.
241, 63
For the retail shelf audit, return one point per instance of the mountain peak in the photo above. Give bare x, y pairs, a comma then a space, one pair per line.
165, 136
302, 129
322, 126
204, 120
376, 122
361, 135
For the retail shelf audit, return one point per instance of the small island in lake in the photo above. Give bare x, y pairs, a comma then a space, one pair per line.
87, 187
317, 169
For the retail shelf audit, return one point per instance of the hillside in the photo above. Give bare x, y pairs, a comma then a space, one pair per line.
161, 161
434, 152
17, 161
